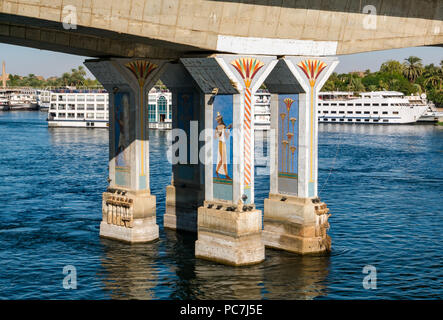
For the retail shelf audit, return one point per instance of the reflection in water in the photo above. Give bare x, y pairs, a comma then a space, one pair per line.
69, 136
291, 276
130, 270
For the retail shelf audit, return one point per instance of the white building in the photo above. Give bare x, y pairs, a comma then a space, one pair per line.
262, 110
159, 109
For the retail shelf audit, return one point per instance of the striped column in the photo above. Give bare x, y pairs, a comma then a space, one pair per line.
247, 124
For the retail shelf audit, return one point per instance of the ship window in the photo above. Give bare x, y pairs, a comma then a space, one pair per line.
80, 115
53, 106
90, 115
375, 120
367, 112
366, 120
61, 98
333, 119
71, 106
62, 115
325, 111
100, 115
319, 111
385, 112
80, 106
333, 104
376, 104
90, 97
100, 98
384, 104
341, 104
358, 104
71, 115
326, 104
341, 112
333, 111
385, 120
71, 98
350, 112
349, 120
61, 107
90, 107
395, 112
326, 119
100, 107
367, 104
53, 98
358, 112
342, 119
375, 112
358, 120
80, 98
162, 105
151, 113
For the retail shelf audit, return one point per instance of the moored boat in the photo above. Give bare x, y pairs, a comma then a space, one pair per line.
378, 107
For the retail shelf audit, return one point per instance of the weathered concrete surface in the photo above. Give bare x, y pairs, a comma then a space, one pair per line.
229, 237
129, 216
296, 224
168, 28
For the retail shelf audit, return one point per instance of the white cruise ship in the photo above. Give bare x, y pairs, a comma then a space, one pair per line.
23, 99
378, 107
78, 108
43, 99
89, 108
262, 110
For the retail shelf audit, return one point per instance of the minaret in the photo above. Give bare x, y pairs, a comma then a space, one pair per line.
4, 75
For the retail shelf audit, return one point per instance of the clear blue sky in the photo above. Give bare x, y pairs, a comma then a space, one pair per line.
22, 60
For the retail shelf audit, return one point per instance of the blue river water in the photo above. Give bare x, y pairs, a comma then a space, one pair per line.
383, 185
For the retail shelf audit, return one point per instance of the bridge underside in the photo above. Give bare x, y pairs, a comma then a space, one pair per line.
172, 28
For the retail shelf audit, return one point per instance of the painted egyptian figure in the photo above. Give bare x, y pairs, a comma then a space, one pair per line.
222, 134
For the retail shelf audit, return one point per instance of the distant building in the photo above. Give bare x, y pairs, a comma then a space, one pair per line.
160, 109
4, 75
361, 74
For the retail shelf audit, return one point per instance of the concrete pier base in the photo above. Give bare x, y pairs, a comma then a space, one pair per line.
229, 235
182, 203
296, 224
129, 216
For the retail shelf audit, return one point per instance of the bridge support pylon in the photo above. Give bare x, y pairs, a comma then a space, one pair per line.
186, 192
228, 224
295, 219
129, 209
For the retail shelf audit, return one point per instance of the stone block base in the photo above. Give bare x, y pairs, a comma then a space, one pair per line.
129, 215
142, 230
181, 207
229, 236
296, 225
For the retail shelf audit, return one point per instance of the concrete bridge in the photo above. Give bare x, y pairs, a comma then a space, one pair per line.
171, 28
213, 56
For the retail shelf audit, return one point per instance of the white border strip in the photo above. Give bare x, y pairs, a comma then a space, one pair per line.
269, 46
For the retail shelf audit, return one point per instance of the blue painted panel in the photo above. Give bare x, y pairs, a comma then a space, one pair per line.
288, 123
222, 147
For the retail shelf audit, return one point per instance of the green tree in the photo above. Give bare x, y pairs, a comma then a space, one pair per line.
391, 66
413, 68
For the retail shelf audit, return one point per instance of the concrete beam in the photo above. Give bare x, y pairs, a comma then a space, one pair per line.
316, 28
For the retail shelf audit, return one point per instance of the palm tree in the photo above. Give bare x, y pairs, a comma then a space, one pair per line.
417, 88
434, 80
412, 68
